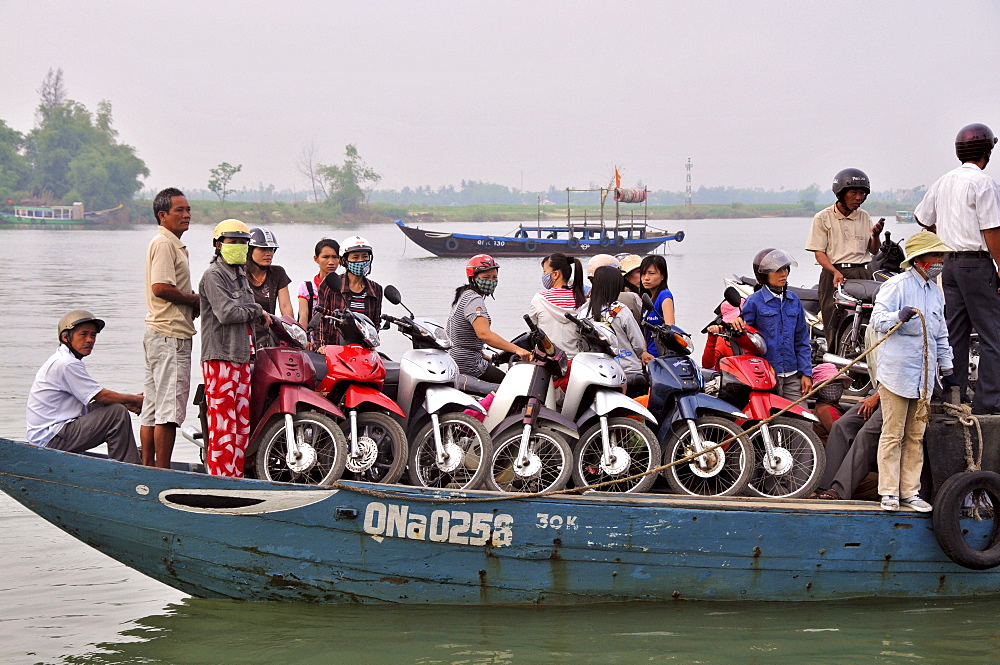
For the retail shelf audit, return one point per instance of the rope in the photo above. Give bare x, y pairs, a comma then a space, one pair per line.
654, 470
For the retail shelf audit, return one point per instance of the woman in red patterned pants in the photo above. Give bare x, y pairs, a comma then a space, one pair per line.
227, 312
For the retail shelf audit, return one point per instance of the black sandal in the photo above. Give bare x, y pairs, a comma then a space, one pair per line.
828, 495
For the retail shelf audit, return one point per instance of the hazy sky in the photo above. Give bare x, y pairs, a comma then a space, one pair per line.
757, 94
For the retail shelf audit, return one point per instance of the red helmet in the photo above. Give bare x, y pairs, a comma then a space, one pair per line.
480, 263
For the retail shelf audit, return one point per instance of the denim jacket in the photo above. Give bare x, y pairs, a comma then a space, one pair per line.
227, 307
782, 323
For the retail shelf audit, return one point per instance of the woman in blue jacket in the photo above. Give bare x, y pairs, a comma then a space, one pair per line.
778, 315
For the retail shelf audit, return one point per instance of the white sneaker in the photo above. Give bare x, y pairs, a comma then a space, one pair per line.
917, 504
890, 502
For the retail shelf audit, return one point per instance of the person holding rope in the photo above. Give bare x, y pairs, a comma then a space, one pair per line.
908, 365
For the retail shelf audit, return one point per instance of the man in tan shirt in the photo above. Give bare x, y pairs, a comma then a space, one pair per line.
172, 305
843, 240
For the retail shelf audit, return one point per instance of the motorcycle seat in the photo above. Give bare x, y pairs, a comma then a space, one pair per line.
863, 289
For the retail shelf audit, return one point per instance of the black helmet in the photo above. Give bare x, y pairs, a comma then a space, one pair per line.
849, 178
771, 260
261, 236
974, 142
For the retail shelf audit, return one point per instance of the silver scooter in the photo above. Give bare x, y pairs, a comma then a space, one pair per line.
448, 448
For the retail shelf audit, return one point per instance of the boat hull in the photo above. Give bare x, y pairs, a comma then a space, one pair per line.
216, 537
441, 243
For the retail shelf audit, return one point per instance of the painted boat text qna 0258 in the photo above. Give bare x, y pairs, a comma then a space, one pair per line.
218, 537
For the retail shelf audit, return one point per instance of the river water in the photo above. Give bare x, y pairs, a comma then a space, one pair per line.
62, 602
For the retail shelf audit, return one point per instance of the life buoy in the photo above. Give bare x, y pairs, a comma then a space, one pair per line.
451, 244
573, 242
620, 241
530, 246
948, 514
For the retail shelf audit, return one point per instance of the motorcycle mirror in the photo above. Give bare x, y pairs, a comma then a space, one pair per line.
391, 294
732, 296
647, 302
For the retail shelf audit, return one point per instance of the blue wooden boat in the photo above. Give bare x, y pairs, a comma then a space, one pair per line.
581, 234
218, 537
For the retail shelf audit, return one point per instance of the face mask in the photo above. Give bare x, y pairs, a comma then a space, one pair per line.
234, 255
932, 271
832, 393
485, 286
359, 268
547, 280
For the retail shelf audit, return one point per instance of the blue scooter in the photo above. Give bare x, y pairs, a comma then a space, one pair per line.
691, 421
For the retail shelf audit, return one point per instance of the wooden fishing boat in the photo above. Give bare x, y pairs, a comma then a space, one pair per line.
905, 217
582, 233
217, 537
60, 217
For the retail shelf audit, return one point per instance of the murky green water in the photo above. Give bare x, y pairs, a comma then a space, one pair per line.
61, 602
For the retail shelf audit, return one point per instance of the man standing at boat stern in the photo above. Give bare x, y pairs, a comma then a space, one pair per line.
67, 409
843, 239
166, 343
965, 205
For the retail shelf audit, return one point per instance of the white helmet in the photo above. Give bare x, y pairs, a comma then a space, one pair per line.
355, 244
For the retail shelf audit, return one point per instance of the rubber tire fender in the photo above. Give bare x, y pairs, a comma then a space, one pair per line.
947, 519
619, 241
573, 242
530, 245
451, 244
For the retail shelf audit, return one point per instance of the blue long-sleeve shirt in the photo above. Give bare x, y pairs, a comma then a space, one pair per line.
782, 323
900, 364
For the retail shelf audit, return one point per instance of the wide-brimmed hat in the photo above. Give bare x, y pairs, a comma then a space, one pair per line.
825, 371
921, 243
629, 263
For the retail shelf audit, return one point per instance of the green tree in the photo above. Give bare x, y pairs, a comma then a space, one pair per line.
13, 165
221, 175
349, 184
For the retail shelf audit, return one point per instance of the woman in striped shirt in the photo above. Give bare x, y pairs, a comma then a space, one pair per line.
562, 279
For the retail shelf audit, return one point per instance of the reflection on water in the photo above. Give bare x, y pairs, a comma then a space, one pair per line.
219, 632
59, 598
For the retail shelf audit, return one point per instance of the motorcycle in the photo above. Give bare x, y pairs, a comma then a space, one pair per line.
789, 457
614, 443
351, 376
294, 435
448, 448
691, 421
531, 451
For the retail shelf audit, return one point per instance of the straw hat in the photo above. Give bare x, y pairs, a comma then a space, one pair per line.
921, 243
629, 263
598, 261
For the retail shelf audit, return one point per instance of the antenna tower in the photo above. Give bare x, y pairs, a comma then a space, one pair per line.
687, 189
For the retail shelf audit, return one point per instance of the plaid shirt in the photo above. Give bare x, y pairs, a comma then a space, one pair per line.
331, 299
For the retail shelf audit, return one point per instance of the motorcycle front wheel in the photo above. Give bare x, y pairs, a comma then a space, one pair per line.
381, 449
467, 447
801, 460
549, 463
322, 448
850, 348
634, 450
727, 469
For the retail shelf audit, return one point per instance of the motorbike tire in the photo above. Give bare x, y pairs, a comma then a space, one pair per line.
725, 479
551, 453
861, 383
469, 436
390, 442
947, 519
639, 445
808, 461
317, 431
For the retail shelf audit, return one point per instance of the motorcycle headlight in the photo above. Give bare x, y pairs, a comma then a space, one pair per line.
435, 331
368, 330
296, 332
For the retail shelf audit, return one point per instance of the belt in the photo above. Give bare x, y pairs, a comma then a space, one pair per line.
849, 265
973, 255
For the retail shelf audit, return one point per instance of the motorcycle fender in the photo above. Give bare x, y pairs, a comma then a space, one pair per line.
289, 397
775, 403
546, 417
691, 404
438, 397
359, 394
606, 401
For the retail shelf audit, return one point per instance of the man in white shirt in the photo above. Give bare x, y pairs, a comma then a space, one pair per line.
68, 410
964, 204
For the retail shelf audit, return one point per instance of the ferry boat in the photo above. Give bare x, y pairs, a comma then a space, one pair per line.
60, 217
905, 217
582, 234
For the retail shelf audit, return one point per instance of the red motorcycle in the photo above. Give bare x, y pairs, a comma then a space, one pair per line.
294, 433
351, 375
789, 457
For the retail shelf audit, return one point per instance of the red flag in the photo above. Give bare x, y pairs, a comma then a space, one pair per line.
618, 178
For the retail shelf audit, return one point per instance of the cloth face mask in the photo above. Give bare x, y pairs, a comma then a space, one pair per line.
359, 268
234, 255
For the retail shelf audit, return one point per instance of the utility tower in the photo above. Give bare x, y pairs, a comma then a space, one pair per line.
687, 189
